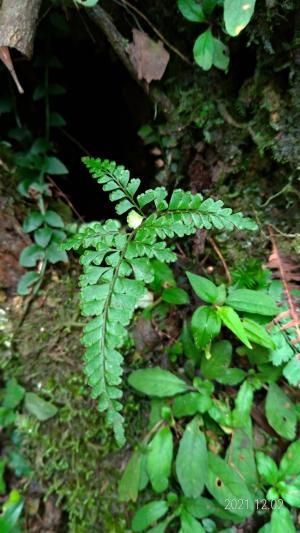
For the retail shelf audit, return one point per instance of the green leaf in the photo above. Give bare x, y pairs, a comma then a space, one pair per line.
191, 10
204, 49
13, 394
143, 269
163, 276
249, 301
7, 417
42, 236
191, 403
161, 527
225, 484
240, 455
237, 14
209, 5
174, 295
54, 254
189, 524
157, 382
290, 492
31, 255
267, 468
18, 464
292, 371
257, 333
202, 507
38, 93
32, 221
148, 514
56, 89
26, 281
191, 460
203, 287
206, 325
282, 351
243, 405
87, 3
232, 376
159, 459
40, 146
188, 345
233, 322
130, 480
290, 462
52, 165
54, 219
221, 55
56, 120
10, 517
281, 521
280, 412
221, 354
38, 407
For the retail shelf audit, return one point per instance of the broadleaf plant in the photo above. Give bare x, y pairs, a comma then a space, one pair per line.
117, 266
208, 50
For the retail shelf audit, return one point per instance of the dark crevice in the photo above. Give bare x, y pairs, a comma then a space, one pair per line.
103, 108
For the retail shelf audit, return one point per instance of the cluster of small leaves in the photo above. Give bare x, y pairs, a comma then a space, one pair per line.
35, 160
209, 50
47, 229
117, 267
12, 397
225, 308
176, 454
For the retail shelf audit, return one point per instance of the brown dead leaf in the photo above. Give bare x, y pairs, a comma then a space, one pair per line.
149, 58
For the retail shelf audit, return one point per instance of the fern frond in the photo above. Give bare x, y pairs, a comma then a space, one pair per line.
187, 212
115, 180
117, 265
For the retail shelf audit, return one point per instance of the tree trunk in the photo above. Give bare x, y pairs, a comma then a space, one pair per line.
18, 20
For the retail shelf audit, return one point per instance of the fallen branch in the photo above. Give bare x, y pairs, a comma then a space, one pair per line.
119, 44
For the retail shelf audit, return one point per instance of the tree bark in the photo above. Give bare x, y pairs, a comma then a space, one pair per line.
18, 19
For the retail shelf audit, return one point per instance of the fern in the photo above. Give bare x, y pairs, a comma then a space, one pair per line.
116, 268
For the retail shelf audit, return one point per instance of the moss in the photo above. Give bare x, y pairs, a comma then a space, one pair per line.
73, 455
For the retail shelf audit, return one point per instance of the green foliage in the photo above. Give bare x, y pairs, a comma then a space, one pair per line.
206, 321
117, 265
12, 459
208, 50
242, 475
35, 161
237, 14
